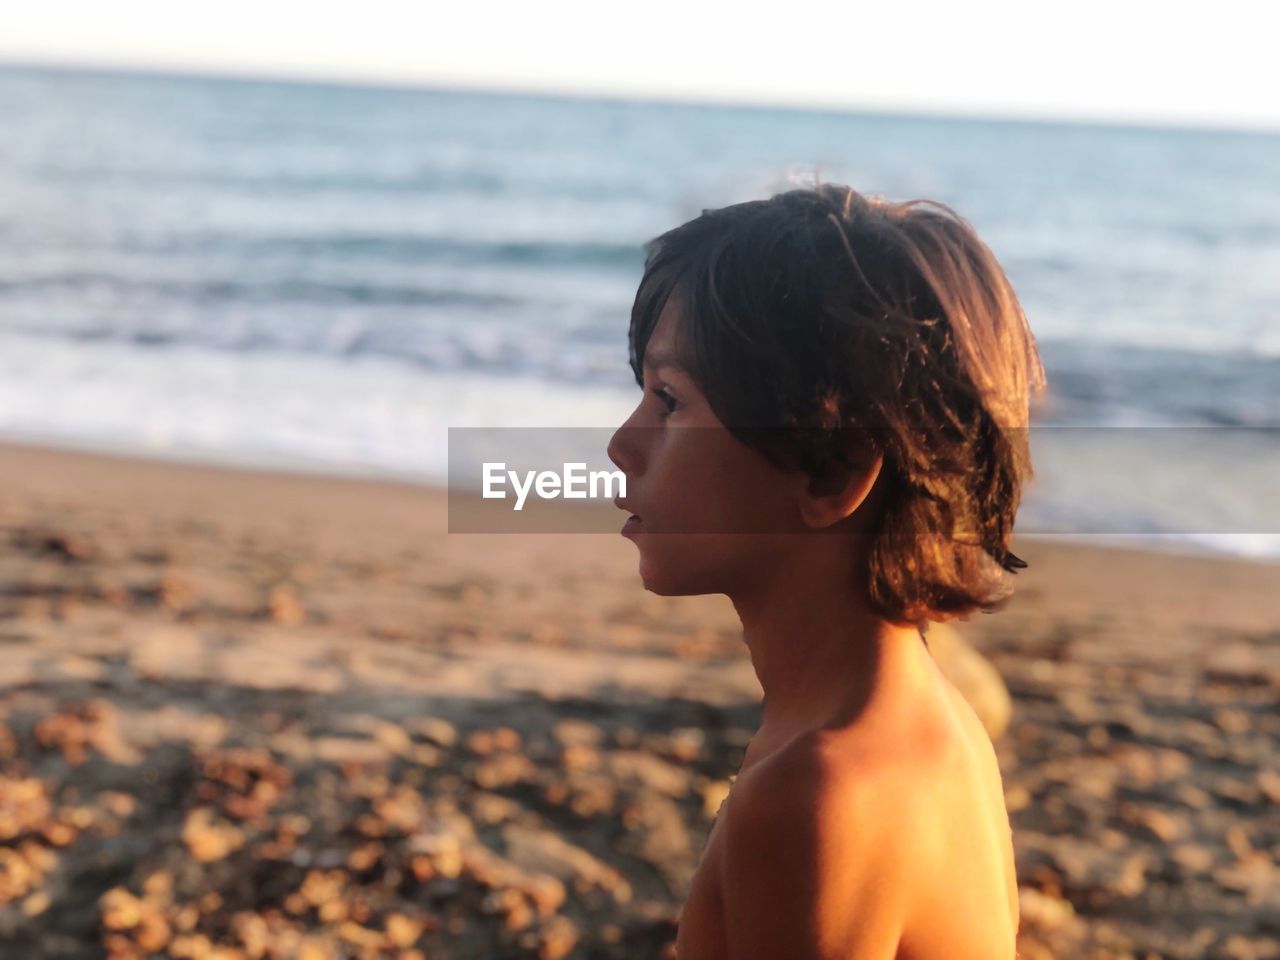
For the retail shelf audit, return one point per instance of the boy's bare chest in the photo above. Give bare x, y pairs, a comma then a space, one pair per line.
701, 933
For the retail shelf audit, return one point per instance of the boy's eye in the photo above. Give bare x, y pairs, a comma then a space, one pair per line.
668, 399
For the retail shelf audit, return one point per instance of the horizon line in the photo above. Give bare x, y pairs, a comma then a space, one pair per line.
510, 89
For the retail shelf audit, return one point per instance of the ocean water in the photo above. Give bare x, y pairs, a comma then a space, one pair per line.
328, 277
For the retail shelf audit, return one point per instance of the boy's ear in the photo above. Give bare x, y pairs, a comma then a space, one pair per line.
827, 500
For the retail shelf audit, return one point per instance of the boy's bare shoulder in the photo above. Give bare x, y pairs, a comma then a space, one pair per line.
816, 860
840, 781
870, 838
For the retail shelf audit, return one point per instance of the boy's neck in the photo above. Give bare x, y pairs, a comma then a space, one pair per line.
820, 652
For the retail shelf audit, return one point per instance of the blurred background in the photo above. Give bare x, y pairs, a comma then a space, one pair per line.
310, 241
322, 275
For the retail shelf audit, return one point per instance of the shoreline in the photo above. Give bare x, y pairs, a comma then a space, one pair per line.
283, 469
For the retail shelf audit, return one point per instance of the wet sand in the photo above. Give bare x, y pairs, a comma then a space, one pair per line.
248, 714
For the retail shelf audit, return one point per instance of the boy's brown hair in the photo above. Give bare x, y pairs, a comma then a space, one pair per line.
825, 327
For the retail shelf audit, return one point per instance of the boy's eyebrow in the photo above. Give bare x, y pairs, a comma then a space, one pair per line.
657, 359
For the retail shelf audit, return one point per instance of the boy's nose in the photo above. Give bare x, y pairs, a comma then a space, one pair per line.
624, 450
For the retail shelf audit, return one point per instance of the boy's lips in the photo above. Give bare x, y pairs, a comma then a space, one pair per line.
632, 521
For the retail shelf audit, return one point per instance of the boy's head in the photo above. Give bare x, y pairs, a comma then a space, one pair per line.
868, 356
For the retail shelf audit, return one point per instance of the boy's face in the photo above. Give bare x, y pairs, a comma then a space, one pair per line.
694, 487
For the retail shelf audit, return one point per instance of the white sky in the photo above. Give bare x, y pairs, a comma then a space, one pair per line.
1121, 60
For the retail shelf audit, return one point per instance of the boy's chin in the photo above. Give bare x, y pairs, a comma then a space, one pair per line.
665, 581
662, 589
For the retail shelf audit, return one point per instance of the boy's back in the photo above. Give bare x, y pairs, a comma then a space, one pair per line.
918, 812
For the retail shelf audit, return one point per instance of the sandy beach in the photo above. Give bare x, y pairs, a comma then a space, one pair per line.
248, 714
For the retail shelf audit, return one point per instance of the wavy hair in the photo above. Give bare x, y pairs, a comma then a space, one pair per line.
826, 327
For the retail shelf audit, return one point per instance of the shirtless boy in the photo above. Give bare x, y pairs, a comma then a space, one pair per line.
832, 432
